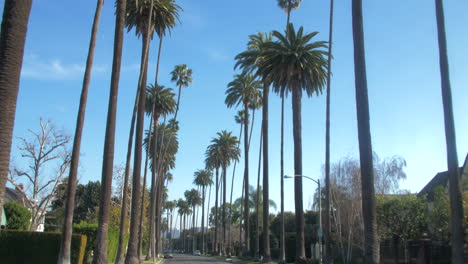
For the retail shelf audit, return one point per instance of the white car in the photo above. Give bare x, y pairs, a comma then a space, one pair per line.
196, 253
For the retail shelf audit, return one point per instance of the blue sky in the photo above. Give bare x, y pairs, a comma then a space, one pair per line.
402, 69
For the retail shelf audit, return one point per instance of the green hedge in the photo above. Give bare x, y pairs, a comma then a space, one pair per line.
18, 216
90, 230
18, 247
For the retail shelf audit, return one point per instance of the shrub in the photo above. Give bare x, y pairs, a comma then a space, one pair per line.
20, 247
90, 230
18, 216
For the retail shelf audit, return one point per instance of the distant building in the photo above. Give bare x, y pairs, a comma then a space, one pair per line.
441, 179
17, 195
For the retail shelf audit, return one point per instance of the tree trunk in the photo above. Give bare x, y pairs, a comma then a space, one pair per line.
193, 231
203, 221
327, 230
123, 214
12, 40
216, 214
64, 254
232, 189
297, 130
100, 255
266, 197
159, 202
152, 245
132, 251
224, 211
371, 244
282, 246
240, 220
456, 203
246, 180
205, 244
257, 203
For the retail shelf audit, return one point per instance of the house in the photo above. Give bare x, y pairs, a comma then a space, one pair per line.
16, 195
441, 179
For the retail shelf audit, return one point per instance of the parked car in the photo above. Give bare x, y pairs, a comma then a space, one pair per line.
168, 256
196, 253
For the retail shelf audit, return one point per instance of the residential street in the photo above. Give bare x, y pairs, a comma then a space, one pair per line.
182, 259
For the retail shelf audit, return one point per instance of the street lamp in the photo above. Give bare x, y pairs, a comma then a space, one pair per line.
320, 209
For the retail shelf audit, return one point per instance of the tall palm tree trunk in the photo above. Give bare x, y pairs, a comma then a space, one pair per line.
232, 189
159, 203
151, 222
216, 213
194, 239
246, 181
266, 197
371, 244
257, 198
12, 40
203, 220
456, 203
64, 254
282, 241
327, 143
205, 240
297, 133
123, 214
132, 251
224, 211
100, 255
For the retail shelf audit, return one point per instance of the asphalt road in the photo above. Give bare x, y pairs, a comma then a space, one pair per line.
182, 259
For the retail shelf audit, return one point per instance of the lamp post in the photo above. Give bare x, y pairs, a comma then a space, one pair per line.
320, 209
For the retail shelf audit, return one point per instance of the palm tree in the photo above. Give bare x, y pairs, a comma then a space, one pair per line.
140, 17
203, 178
327, 143
169, 206
239, 118
371, 244
456, 202
183, 210
295, 63
287, 6
64, 255
245, 88
193, 200
213, 161
108, 158
249, 61
182, 75
227, 145
12, 40
159, 102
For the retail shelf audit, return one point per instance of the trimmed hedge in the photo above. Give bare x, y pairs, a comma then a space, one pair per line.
90, 230
18, 216
18, 247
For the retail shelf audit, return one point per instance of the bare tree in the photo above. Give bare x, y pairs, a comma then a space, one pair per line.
45, 150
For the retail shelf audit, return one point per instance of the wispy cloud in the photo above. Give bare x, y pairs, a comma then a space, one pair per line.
217, 55
36, 68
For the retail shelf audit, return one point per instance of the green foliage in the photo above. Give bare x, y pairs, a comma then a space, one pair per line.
439, 215
90, 230
37, 247
18, 216
404, 216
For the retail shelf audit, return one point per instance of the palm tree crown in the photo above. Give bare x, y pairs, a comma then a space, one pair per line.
203, 178
246, 89
161, 98
294, 62
225, 148
288, 5
165, 15
193, 197
182, 75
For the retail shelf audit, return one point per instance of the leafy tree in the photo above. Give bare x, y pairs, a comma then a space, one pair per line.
18, 216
